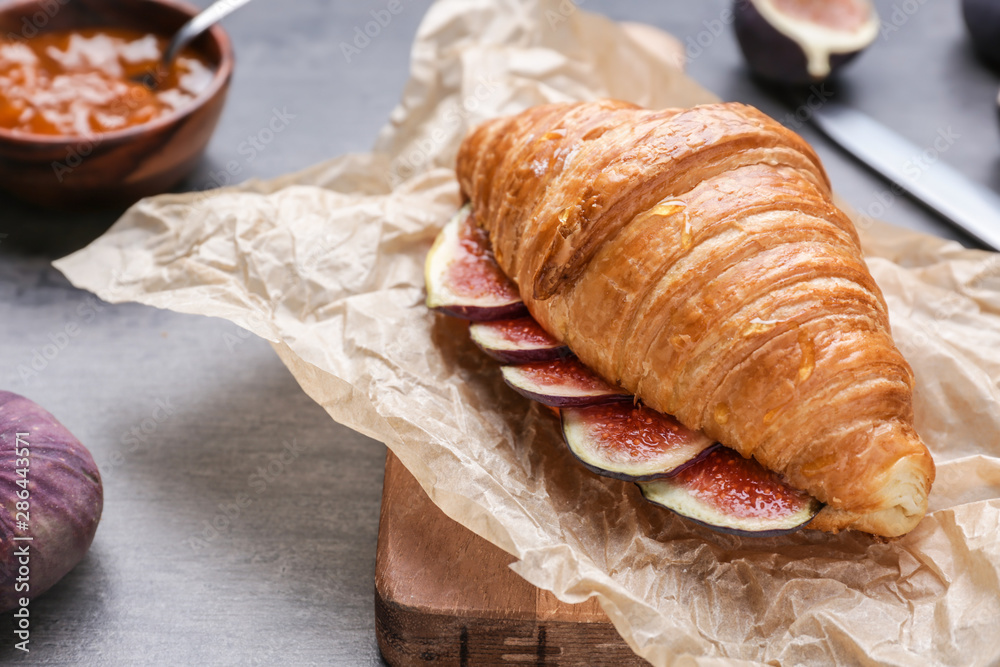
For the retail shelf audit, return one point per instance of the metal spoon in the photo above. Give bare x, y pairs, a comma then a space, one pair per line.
197, 25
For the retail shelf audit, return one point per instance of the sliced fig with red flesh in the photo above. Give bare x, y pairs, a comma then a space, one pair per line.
560, 384
731, 494
462, 276
517, 341
630, 442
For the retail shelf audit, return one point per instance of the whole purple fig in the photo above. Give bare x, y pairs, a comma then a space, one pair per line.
50, 500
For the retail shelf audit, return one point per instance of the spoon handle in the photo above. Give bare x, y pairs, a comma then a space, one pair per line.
204, 20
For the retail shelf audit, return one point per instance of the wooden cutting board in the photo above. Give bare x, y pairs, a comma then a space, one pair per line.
446, 596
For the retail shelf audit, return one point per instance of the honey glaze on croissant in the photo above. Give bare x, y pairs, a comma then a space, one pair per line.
695, 258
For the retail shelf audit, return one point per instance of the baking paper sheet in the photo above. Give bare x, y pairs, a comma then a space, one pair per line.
327, 264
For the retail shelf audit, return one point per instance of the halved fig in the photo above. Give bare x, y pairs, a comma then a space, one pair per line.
561, 384
731, 494
798, 42
630, 442
462, 277
517, 341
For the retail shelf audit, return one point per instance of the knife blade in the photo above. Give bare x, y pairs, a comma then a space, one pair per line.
969, 205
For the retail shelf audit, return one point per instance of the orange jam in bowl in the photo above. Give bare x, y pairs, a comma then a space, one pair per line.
93, 80
79, 129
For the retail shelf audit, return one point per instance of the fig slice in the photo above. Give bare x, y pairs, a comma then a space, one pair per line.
561, 384
516, 341
462, 276
731, 494
630, 442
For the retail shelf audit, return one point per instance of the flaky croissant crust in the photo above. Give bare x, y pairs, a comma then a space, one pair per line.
695, 258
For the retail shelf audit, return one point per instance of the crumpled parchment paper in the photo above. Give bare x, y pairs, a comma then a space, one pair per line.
327, 264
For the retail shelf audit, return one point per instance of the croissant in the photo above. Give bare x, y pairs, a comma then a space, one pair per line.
695, 258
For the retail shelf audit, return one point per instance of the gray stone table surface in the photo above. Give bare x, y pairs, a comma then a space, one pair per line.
240, 521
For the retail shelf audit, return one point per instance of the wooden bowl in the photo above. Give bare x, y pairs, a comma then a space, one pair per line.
119, 167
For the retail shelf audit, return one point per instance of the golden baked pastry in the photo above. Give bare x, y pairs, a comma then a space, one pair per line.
695, 258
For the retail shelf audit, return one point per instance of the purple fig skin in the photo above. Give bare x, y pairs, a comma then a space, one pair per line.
982, 19
516, 357
771, 55
66, 498
507, 311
